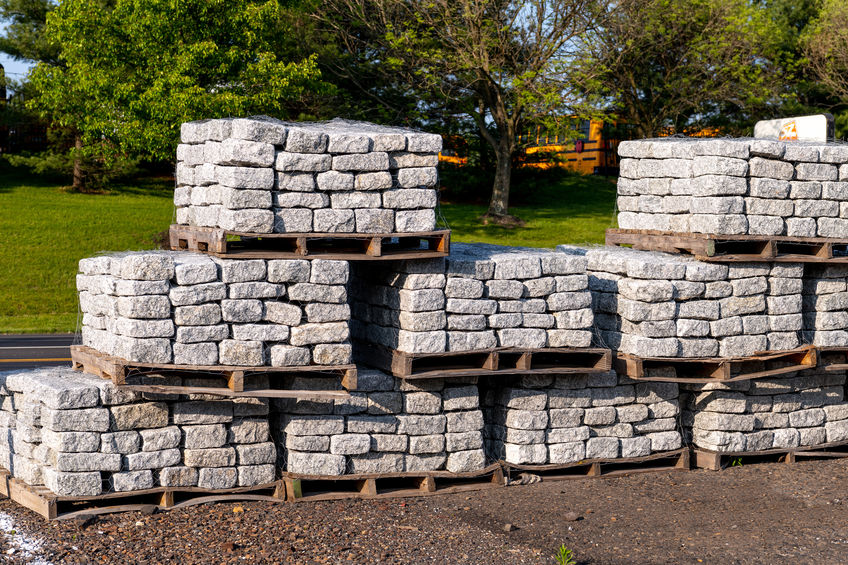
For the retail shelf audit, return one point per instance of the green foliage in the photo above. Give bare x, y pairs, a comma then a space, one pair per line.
565, 556
678, 63
133, 70
556, 207
825, 42
24, 36
736, 462
60, 228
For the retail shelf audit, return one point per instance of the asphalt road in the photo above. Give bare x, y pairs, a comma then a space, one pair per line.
34, 350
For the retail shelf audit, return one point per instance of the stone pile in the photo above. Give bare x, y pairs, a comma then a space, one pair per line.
826, 305
387, 425
190, 309
79, 435
261, 175
483, 296
734, 186
803, 409
654, 304
569, 418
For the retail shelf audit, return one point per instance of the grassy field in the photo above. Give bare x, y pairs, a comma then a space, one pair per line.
46, 230
571, 209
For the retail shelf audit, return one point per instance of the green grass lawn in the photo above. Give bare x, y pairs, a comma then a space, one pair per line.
46, 230
571, 209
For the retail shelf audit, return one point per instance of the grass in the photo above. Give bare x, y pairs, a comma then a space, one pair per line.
46, 230
556, 208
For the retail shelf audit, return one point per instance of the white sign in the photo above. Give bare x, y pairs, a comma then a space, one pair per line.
802, 128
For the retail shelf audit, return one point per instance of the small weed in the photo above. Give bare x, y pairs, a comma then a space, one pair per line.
736, 462
565, 556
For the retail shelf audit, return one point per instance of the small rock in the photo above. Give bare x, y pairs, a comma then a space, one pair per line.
509, 528
570, 517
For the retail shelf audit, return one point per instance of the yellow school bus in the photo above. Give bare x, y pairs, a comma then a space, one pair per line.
593, 151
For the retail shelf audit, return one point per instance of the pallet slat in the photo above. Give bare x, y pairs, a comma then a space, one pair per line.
678, 459
53, 507
716, 460
716, 369
235, 378
388, 485
346, 246
735, 248
501, 361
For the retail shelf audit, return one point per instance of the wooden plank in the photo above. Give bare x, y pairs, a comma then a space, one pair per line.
235, 381
252, 393
367, 487
167, 499
347, 246
350, 379
21, 493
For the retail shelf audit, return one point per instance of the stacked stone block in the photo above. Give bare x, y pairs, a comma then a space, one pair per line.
797, 410
826, 305
262, 175
654, 304
387, 425
79, 435
190, 309
571, 418
484, 296
734, 186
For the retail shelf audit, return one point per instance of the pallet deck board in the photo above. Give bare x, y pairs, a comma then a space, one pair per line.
717, 369
498, 361
678, 459
342, 246
716, 460
301, 487
236, 378
735, 248
53, 507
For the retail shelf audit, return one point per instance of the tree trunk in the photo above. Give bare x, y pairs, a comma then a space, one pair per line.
499, 204
79, 183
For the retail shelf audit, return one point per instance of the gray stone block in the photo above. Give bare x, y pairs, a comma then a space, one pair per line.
132, 480
256, 453
202, 412
73, 484
289, 356
315, 463
303, 162
152, 459
217, 478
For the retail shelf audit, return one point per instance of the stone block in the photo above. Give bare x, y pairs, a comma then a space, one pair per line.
151, 459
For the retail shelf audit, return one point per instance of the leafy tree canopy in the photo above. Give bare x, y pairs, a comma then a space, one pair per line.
131, 71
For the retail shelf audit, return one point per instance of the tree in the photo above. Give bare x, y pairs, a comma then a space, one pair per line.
131, 71
674, 63
500, 63
826, 47
24, 37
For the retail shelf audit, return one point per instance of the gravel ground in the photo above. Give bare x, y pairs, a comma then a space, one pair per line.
765, 513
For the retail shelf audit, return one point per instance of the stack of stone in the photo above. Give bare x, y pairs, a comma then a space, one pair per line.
485, 296
734, 186
796, 410
826, 305
189, 309
261, 175
572, 418
662, 305
79, 435
387, 425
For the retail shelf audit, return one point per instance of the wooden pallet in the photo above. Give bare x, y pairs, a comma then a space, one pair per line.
389, 485
500, 361
715, 461
656, 462
704, 370
734, 248
826, 363
53, 507
236, 379
343, 246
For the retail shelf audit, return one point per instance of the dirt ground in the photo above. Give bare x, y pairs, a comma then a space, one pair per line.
762, 513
